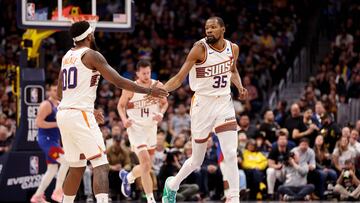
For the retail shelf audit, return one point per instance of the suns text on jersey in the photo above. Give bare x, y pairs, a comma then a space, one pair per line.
140, 104
217, 69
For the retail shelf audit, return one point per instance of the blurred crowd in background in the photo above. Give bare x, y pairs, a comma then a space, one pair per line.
316, 128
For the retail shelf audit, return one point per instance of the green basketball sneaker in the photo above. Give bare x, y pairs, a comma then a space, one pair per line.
169, 196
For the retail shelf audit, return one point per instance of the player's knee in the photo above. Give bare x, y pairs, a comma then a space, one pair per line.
146, 166
99, 161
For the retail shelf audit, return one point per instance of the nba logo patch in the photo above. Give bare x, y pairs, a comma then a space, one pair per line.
30, 11
34, 94
34, 165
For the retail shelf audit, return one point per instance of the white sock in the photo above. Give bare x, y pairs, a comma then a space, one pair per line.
102, 198
130, 177
195, 161
226, 192
228, 143
222, 168
150, 198
47, 178
68, 199
63, 169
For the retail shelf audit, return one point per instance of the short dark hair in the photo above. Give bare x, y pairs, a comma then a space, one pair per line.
304, 139
78, 28
142, 64
54, 83
219, 20
244, 114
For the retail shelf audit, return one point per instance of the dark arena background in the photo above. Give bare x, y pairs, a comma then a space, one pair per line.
298, 59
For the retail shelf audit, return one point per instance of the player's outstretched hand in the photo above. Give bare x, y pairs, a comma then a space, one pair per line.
99, 116
157, 92
243, 93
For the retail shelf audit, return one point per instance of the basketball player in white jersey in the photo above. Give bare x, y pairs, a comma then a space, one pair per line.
141, 124
81, 137
211, 65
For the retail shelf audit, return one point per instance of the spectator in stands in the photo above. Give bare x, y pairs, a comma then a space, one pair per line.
119, 158
280, 113
343, 111
354, 86
319, 111
310, 97
323, 165
243, 183
354, 141
180, 121
242, 141
342, 152
306, 128
245, 127
307, 156
348, 185
5, 140
276, 159
270, 127
305, 153
254, 164
179, 141
295, 186
344, 40
346, 132
160, 152
106, 132
261, 146
330, 130
115, 132
253, 94
267, 41
357, 126
294, 121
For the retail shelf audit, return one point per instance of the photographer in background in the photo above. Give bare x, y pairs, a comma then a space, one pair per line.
295, 186
277, 157
348, 185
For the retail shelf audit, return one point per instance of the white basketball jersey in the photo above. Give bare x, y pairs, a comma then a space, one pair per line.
79, 82
212, 76
142, 111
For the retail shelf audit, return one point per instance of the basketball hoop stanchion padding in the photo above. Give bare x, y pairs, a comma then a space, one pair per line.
36, 36
22, 168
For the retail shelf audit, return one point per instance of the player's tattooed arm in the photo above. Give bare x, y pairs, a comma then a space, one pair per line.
196, 54
235, 76
96, 61
59, 86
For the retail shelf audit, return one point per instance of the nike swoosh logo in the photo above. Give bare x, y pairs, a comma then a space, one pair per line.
211, 52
